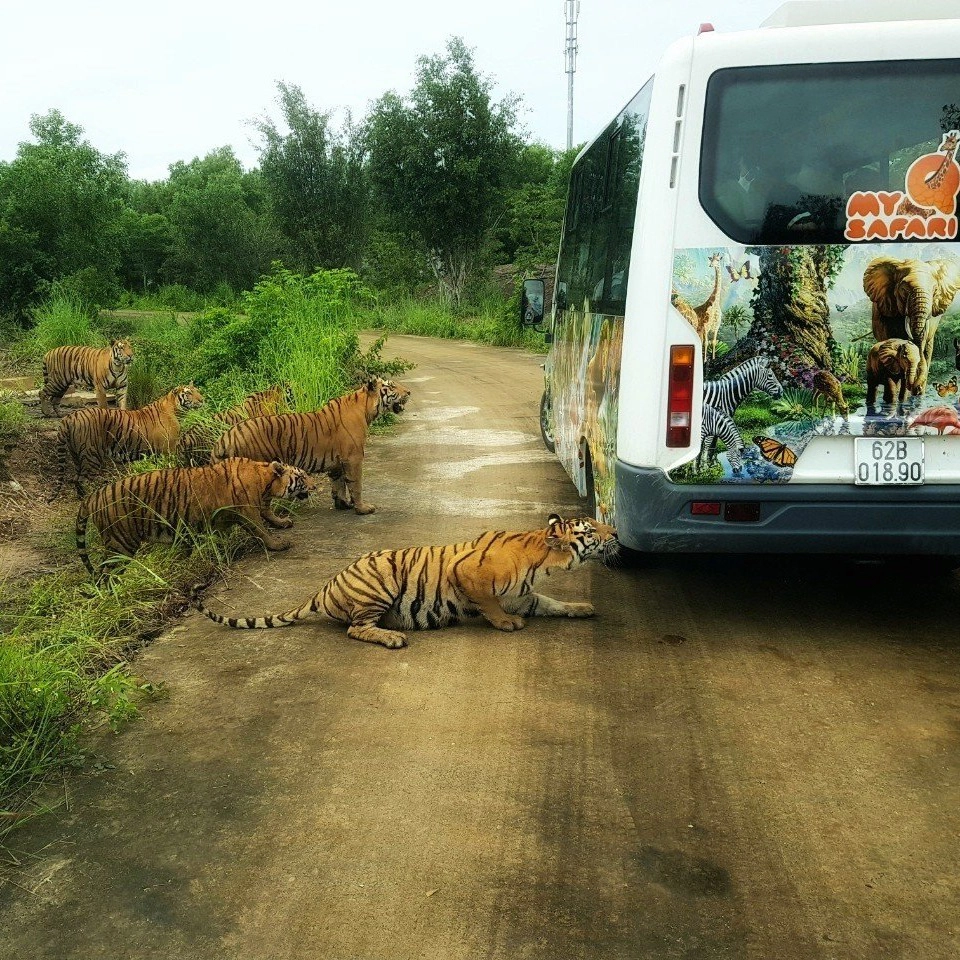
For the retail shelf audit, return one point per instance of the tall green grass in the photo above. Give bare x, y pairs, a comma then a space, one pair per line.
64, 652
61, 320
488, 321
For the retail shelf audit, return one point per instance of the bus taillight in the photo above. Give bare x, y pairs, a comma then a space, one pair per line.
680, 396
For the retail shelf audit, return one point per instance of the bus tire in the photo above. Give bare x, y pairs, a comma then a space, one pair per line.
546, 428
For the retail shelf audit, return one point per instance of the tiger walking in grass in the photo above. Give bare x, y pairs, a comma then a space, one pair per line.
329, 440
91, 367
149, 507
195, 443
96, 440
424, 587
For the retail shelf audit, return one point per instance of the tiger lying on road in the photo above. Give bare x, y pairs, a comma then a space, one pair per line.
424, 587
148, 506
96, 440
92, 367
329, 440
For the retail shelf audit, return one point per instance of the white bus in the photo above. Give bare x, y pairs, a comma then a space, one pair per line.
754, 345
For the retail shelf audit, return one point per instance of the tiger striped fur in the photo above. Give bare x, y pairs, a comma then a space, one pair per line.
193, 447
425, 587
95, 440
149, 506
91, 367
329, 440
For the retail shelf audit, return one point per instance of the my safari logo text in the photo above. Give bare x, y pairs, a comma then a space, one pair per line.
927, 208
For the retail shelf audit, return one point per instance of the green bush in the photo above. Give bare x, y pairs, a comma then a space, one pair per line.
61, 320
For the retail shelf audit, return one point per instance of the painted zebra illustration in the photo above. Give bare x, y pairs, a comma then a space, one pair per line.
718, 425
726, 393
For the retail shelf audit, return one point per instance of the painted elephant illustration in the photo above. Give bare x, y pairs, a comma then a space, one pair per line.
909, 297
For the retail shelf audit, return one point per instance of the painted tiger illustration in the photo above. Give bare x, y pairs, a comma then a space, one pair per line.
193, 447
148, 507
91, 367
426, 587
329, 440
94, 440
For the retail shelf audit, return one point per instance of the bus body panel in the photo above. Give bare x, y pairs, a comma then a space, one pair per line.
791, 446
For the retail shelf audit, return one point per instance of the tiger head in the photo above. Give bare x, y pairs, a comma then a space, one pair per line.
392, 396
582, 538
290, 483
121, 353
188, 397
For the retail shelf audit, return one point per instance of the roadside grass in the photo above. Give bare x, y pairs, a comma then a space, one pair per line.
64, 656
66, 641
487, 321
13, 425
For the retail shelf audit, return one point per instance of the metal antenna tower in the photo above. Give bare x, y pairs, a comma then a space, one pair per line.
572, 8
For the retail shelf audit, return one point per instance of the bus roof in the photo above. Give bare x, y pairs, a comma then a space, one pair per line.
809, 13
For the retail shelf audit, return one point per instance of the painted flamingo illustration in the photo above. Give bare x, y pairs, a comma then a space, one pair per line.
943, 419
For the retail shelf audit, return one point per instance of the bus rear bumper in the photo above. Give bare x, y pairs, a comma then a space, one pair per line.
655, 516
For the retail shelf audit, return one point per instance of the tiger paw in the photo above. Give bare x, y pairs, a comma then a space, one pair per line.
339, 504
392, 639
278, 543
580, 610
508, 623
364, 508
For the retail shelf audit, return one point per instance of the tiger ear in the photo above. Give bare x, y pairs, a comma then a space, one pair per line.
277, 467
554, 519
372, 384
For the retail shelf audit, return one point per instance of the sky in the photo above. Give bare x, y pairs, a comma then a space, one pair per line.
170, 82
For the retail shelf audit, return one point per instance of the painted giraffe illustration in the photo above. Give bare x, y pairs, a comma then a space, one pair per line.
706, 318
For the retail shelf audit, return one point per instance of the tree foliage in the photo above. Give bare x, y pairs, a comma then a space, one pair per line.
316, 181
61, 206
429, 187
221, 232
442, 159
529, 232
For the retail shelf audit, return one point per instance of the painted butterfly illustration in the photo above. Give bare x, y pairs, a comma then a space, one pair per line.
740, 273
779, 454
840, 307
945, 389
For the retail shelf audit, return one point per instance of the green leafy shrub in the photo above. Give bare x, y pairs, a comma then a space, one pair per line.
61, 320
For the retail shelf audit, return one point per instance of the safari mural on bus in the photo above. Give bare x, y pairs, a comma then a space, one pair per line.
817, 340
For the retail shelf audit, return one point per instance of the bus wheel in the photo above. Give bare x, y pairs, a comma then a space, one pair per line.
546, 424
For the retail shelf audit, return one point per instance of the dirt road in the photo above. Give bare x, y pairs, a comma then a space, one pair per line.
733, 760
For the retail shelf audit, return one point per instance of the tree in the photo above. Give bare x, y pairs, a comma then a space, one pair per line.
441, 160
316, 182
529, 232
791, 314
61, 203
220, 223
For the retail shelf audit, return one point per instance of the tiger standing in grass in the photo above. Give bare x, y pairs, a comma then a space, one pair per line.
96, 440
193, 447
329, 440
148, 507
425, 587
91, 367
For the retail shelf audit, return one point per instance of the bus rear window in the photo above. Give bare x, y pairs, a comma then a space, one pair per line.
784, 147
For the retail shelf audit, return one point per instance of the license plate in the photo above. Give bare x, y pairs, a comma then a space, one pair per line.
891, 460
